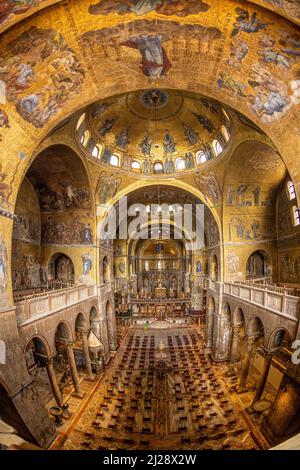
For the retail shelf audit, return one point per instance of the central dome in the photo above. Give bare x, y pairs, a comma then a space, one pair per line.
155, 130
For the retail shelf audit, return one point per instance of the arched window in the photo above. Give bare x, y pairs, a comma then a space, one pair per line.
80, 121
159, 264
135, 165
225, 114
225, 133
180, 164
95, 152
291, 190
85, 138
296, 215
158, 167
114, 160
201, 157
146, 265
217, 147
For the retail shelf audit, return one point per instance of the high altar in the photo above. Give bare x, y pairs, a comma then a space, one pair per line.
160, 292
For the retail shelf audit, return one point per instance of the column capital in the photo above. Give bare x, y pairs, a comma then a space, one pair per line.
67, 343
251, 339
83, 332
267, 353
236, 327
49, 360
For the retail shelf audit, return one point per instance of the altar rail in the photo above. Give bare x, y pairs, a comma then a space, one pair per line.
285, 301
38, 305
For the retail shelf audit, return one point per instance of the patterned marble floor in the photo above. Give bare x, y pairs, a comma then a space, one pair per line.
162, 392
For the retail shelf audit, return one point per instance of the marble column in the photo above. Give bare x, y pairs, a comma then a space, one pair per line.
234, 351
221, 338
78, 393
53, 382
209, 329
262, 380
242, 387
86, 352
283, 418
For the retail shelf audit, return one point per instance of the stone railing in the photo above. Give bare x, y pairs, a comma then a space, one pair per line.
214, 285
35, 306
273, 288
107, 287
275, 299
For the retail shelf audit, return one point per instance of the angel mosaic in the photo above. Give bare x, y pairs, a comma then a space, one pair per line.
108, 187
190, 134
35, 53
122, 139
169, 144
247, 23
209, 186
238, 51
142, 7
3, 266
145, 145
9, 8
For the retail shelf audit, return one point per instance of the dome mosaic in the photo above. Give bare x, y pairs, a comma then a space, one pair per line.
155, 131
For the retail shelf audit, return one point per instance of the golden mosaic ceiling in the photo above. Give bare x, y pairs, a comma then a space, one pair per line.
157, 125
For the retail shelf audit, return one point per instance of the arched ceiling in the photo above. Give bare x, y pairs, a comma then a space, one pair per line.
174, 197
12, 11
156, 125
71, 55
60, 180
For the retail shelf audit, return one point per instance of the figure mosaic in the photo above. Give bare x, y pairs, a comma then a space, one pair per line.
205, 122
198, 267
169, 144
4, 121
233, 86
209, 186
5, 188
123, 139
149, 37
269, 55
106, 156
106, 127
169, 166
247, 23
22, 64
3, 266
147, 168
232, 261
142, 7
99, 109
9, 8
86, 264
145, 145
155, 62
191, 135
238, 51
189, 161
271, 100
77, 231
68, 198
108, 187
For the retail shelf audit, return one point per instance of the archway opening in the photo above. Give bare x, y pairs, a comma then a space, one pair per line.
259, 266
61, 271
106, 270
